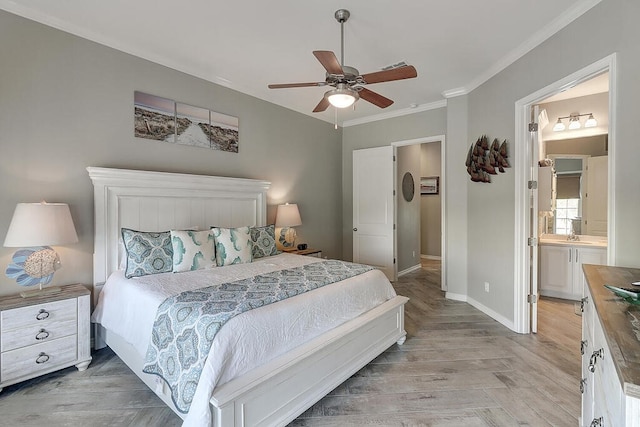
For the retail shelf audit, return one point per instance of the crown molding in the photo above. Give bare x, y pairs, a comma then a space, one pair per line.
396, 113
538, 38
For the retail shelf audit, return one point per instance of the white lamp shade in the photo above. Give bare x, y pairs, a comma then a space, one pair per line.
574, 123
288, 215
40, 224
342, 96
559, 126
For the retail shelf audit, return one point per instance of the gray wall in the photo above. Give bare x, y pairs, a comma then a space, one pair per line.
408, 213
378, 134
609, 27
430, 204
67, 103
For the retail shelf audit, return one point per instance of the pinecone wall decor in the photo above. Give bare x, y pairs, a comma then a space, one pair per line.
483, 161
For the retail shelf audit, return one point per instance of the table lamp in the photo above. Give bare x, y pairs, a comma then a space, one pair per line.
34, 227
287, 217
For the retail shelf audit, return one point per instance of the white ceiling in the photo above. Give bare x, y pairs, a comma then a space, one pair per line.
246, 44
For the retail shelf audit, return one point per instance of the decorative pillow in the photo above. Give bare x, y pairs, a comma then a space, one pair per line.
192, 250
264, 241
147, 252
233, 245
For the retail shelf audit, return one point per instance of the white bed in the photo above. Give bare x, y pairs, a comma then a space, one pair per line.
262, 392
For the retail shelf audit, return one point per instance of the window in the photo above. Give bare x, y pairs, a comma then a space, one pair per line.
566, 210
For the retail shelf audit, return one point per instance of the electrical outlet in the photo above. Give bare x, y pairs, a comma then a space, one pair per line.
486, 286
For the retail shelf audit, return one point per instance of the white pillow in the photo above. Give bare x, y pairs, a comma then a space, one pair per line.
192, 250
233, 245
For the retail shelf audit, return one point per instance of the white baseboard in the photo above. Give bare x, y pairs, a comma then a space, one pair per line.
436, 257
409, 270
489, 312
455, 297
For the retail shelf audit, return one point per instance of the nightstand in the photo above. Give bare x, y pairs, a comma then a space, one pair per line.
309, 252
43, 334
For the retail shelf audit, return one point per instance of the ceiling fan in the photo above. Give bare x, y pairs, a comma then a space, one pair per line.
347, 81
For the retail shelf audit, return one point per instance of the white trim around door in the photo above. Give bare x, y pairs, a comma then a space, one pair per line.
523, 165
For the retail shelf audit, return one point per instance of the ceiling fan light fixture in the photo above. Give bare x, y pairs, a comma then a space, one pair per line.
342, 96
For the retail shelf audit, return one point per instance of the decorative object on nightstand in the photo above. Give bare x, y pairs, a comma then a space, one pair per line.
44, 334
307, 251
287, 217
36, 226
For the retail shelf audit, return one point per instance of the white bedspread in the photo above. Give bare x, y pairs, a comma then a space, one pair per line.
128, 308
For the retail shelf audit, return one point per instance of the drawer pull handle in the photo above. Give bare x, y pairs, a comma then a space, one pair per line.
594, 359
597, 422
583, 383
42, 358
583, 301
42, 314
42, 335
583, 345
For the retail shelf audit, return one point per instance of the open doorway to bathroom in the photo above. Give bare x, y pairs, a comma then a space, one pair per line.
565, 218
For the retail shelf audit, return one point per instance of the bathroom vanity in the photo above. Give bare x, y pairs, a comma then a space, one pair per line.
560, 267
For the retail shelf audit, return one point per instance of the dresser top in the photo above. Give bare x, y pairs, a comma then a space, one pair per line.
620, 320
68, 291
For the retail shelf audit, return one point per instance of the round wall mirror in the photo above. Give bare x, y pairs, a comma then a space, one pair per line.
407, 187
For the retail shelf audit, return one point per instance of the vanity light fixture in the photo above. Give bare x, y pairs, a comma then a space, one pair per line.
574, 122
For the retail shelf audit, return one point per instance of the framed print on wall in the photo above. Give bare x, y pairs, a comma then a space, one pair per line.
429, 185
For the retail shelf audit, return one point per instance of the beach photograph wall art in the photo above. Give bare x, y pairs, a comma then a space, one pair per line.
166, 120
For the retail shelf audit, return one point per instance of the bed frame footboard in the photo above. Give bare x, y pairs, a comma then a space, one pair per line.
276, 393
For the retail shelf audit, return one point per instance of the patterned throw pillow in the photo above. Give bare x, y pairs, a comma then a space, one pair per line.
264, 241
233, 245
192, 250
147, 252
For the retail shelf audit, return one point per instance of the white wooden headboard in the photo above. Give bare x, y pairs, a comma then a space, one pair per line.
160, 201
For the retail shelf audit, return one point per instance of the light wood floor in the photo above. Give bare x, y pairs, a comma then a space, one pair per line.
458, 367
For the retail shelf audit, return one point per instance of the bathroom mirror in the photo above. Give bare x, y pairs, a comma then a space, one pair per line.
580, 170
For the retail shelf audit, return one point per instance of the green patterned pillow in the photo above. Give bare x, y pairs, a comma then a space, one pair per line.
233, 245
192, 250
147, 252
264, 241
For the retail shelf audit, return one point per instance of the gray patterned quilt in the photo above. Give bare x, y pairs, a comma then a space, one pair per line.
187, 323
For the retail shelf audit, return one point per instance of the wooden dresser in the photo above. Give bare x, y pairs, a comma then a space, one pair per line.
610, 349
43, 334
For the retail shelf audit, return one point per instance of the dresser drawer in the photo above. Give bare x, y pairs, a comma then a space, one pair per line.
37, 333
40, 314
39, 357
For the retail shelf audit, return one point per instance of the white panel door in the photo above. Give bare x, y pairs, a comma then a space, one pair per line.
597, 198
373, 209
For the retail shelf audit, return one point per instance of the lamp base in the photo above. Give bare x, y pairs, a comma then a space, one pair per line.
287, 239
41, 292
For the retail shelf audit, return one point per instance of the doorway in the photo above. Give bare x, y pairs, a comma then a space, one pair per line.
421, 218
526, 169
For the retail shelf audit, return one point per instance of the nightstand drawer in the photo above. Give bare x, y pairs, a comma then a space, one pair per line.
40, 314
40, 357
37, 333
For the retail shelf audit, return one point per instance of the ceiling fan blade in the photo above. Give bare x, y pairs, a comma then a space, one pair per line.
322, 105
286, 85
329, 61
374, 98
407, 72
